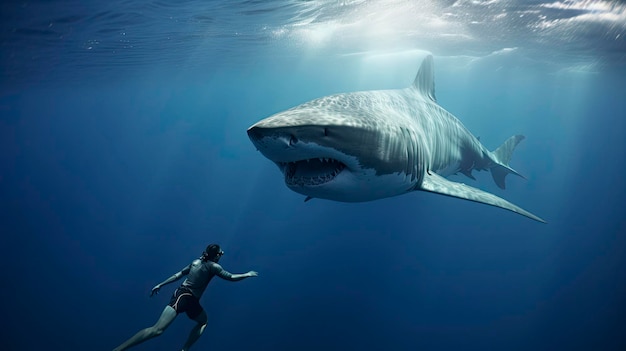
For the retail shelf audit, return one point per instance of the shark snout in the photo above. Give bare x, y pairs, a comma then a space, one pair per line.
276, 144
255, 134
270, 137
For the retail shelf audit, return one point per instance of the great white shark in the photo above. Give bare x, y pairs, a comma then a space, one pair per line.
368, 145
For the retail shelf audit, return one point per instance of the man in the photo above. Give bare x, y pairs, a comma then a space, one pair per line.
187, 297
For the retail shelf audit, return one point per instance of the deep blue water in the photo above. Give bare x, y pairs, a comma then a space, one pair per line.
123, 153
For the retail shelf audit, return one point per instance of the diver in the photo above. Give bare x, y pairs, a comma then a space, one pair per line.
187, 297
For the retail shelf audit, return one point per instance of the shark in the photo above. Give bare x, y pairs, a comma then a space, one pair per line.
368, 145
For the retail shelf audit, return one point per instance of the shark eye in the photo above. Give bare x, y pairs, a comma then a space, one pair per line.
293, 140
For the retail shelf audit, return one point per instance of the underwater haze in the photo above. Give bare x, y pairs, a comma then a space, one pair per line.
123, 153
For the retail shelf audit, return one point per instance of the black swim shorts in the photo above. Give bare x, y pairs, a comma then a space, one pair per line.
184, 301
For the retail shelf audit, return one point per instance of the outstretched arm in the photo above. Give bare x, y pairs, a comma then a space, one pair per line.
224, 274
171, 279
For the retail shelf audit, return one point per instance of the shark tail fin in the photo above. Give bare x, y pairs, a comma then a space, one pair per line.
502, 156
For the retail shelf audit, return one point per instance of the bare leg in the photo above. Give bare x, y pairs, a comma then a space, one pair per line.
196, 331
167, 317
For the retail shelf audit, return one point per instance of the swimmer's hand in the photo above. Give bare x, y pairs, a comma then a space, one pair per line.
252, 274
155, 290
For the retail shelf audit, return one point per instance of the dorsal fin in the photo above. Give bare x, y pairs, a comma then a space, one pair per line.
425, 80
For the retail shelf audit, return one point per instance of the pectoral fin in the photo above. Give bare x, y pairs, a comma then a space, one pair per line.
437, 184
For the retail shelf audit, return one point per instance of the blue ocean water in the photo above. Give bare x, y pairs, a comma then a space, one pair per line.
123, 153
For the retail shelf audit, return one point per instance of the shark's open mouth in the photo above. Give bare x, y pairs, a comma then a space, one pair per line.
314, 171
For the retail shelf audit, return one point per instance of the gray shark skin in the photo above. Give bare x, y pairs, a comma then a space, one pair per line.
369, 145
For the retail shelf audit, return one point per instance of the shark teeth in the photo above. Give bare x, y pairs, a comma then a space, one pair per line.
311, 172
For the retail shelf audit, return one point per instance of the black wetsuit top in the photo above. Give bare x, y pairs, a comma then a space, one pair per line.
199, 274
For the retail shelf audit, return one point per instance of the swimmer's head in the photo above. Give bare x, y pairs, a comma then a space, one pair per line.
213, 252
